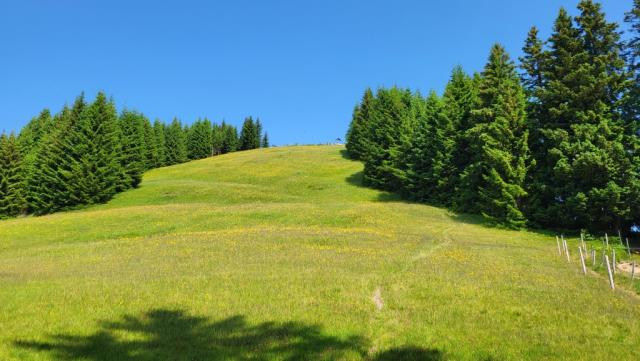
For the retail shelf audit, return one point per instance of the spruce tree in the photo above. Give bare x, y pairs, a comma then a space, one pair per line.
230, 140
199, 142
356, 143
159, 131
150, 147
257, 141
265, 141
97, 172
392, 125
459, 99
500, 144
49, 178
175, 143
133, 152
248, 135
217, 138
12, 179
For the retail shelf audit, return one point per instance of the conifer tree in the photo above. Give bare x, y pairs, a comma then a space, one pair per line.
34, 131
500, 142
356, 144
248, 135
159, 131
230, 140
175, 143
257, 141
265, 141
199, 142
150, 147
12, 182
48, 180
96, 173
459, 99
392, 125
133, 153
217, 138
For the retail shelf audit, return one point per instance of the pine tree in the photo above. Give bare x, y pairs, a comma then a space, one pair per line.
499, 140
199, 142
175, 143
133, 153
392, 125
459, 99
48, 180
34, 131
356, 144
247, 135
257, 141
265, 141
97, 173
150, 147
159, 131
230, 140
12, 183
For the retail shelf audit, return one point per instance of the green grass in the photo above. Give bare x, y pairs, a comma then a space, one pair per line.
276, 254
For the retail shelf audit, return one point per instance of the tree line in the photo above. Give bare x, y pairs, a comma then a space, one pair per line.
87, 153
552, 141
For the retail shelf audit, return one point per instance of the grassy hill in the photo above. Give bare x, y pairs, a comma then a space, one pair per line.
282, 254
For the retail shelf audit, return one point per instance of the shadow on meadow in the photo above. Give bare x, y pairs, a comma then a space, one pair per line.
174, 335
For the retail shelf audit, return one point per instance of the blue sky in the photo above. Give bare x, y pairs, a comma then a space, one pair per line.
300, 66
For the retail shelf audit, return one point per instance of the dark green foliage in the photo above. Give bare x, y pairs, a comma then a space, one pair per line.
391, 127
175, 143
133, 154
199, 141
85, 154
250, 134
150, 146
429, 155
583, 173
96, 172
12, 178
257, 140
359, 128
499, 141
159, 131
264, 143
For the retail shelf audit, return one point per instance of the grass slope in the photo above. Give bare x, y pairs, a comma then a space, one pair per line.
277, 254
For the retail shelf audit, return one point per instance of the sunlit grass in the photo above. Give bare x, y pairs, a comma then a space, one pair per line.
287, 235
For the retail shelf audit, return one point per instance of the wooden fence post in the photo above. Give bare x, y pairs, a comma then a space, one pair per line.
558, 242
584, 245
628, 248
606, 239
593, 257
611, 283
633, 272
613, 261
566, 249
584, 267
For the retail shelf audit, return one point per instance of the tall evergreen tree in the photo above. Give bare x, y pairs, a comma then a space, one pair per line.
12, 181
48, 180
96, 172
392, 125
499, 140
248, 135
159, 131
230, 139
175, 143
199, 142
133, 153
257, 141
150, 147
459, 99
356, 144
265, 141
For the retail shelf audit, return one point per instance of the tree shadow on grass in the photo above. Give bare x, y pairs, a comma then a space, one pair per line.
174, 335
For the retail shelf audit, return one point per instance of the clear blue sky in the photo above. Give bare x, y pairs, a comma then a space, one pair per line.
299, 65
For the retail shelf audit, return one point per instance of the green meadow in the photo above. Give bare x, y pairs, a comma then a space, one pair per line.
282, 254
